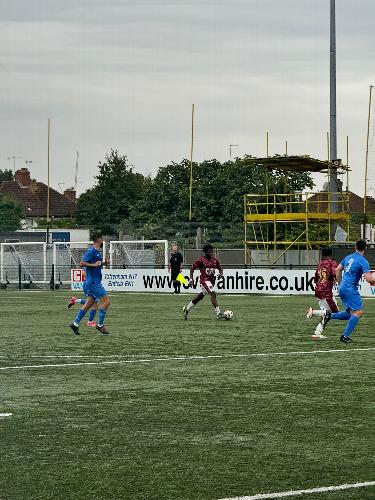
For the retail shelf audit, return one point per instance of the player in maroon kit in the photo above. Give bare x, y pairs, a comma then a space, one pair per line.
325, 277
207, 266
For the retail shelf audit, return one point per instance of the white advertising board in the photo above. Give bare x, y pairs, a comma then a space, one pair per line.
263, 281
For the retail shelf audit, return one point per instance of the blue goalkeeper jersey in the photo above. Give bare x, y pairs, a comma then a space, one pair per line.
93, 274
355, 265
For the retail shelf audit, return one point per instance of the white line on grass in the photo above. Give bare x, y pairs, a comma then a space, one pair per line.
187, 358
5, 415
296, 493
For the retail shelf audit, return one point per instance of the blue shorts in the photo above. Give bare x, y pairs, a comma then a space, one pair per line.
86, 292
94, 290
351, 298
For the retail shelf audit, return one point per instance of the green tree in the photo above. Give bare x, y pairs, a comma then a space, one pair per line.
10, 214
6, 175
117, 189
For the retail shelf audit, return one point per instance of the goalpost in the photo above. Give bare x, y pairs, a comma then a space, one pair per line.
23, 261
139, 253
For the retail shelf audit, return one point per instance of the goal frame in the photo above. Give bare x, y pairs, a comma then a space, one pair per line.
141, 242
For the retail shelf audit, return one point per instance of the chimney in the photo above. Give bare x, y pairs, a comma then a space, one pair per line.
23, 177
70, 194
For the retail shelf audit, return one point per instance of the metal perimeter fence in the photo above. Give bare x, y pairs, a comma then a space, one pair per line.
39, 265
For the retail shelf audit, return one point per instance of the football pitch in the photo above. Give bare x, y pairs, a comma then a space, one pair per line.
167, 409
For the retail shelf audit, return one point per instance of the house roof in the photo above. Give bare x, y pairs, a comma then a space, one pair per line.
355, 203
33, 199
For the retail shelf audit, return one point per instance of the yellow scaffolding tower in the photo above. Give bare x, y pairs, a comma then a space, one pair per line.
293, 220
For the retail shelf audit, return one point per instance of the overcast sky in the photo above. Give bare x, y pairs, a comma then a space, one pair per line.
124, 74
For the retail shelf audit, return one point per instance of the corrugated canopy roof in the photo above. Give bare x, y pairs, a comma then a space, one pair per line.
298, 164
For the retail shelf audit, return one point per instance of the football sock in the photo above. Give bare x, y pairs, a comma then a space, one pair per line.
352, 323
80, 301
189, 306
217, 310
102, 313
318, 312
79, 316
342, 315
175, 286
92, 314
319, 329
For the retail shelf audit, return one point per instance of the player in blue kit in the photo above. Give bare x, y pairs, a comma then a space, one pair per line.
93, 262
348, 274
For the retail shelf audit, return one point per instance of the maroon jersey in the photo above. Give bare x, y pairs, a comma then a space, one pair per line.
207, 269
325, 277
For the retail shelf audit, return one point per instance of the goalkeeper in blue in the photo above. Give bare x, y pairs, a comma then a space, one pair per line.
93, 263
348, 275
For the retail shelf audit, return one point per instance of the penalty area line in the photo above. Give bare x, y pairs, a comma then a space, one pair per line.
187, 358
295, 493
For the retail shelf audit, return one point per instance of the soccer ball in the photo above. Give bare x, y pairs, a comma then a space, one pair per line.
228, 314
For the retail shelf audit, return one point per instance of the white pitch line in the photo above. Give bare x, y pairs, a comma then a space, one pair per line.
5, 415
296, 493
187, 358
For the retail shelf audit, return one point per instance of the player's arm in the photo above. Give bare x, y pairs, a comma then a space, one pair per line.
90, 264
316, 277
369, 277
196, 265
88, 260
181, 264
338, 273
219, 267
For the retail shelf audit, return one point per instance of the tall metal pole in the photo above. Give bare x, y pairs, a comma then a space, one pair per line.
333, 120
367, 146
48, 176
191, 165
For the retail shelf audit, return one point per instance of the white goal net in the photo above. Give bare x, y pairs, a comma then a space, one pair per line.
67, 256
138, 254
23, 262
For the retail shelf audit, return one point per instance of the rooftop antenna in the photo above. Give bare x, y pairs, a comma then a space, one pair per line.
14, 157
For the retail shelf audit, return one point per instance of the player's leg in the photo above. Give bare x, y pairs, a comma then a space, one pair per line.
351, 325
174, 275
215, 304
74, 300
323, 306
353, 311
104, 303
193, 302
86, 306
92, 314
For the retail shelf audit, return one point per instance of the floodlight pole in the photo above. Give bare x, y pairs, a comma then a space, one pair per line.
333, 184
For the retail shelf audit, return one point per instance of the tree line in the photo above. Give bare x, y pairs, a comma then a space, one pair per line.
159, 206
122, 199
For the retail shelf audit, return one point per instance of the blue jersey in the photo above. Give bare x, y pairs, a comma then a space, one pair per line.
355, 265
93, 274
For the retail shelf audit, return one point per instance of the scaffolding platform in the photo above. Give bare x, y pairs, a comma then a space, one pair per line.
294, 220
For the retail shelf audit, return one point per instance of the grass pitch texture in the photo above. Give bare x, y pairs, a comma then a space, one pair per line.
205, 428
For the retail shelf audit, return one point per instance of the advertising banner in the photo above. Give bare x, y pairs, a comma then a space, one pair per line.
263, 281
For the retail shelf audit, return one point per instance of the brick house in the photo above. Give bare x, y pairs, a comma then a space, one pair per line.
32, 196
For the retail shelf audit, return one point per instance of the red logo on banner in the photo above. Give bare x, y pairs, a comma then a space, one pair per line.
77, 276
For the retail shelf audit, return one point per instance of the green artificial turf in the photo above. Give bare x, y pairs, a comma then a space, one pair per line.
185, 428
